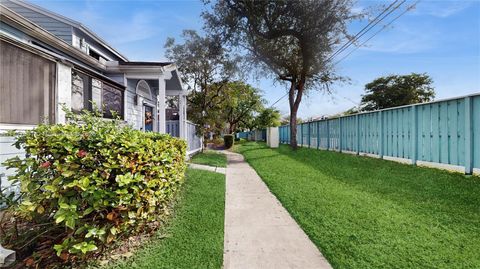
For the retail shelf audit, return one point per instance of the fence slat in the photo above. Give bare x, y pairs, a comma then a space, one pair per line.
468, 136
414, 135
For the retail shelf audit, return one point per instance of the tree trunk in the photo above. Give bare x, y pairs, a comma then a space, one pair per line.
294, 101
293, 129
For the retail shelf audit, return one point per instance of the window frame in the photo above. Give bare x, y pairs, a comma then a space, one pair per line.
122, 103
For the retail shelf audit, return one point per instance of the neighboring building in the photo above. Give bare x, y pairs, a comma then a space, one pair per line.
47, 60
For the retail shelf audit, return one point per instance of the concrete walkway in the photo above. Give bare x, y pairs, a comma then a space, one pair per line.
220, 170
259, 232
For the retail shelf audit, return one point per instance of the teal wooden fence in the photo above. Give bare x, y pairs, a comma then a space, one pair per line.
443, 132
259, 137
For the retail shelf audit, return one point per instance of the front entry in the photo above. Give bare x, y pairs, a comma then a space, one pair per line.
148, 118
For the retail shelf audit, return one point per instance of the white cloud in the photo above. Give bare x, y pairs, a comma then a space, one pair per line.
441, 9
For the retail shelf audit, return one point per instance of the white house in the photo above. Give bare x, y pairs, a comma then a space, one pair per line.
47, 60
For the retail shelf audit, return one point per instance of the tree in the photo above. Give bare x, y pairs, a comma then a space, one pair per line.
241, 102
206, 68
268, 117
397, 90
291, 39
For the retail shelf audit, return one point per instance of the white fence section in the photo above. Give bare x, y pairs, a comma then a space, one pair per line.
195, 142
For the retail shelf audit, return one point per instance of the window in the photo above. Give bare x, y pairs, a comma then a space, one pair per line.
171, 111
27, 86
87, 90
112, 101
143, 89
81, 91
94, 54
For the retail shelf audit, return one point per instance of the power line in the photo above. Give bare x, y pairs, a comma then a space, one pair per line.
381, 29
279, 99
366, 29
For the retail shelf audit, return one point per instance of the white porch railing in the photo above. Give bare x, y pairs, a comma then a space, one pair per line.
195, 142
173, 128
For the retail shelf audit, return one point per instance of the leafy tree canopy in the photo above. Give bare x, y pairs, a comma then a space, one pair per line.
268, 117
291, 39
242, 101
206, 69
397, 90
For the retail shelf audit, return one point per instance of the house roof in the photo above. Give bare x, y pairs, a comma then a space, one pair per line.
72, 23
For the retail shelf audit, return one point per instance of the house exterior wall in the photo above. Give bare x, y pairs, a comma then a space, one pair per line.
56, 27
7, 151
134, 112
174, 83
133, 115
78, 35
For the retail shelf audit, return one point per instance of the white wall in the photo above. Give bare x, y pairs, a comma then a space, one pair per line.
64, 90
273, 137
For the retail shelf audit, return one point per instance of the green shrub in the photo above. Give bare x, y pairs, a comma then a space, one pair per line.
95, 181
228, 138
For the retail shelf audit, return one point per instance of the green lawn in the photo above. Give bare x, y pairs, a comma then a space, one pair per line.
211, 158
194, 236
369, 213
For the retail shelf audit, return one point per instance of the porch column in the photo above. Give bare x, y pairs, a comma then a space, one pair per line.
185, 117
161, 105
63, 91
182, 111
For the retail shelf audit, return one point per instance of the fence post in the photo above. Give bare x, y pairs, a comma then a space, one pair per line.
357, 124
414, 135
468, 136
301, 134
328, 134
318, 134
381, 138
309, 134
340, 133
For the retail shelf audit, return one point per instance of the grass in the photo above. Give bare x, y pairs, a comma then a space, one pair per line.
194, 236
211, 158
369, 213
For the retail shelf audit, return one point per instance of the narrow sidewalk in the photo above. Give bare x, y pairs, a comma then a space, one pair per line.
259, 232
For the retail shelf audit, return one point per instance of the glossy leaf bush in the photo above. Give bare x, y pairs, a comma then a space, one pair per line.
95, 180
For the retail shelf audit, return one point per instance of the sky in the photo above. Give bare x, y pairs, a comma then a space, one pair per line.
440, 38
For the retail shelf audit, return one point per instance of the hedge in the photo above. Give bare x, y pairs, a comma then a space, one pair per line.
228, 138
95, 181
